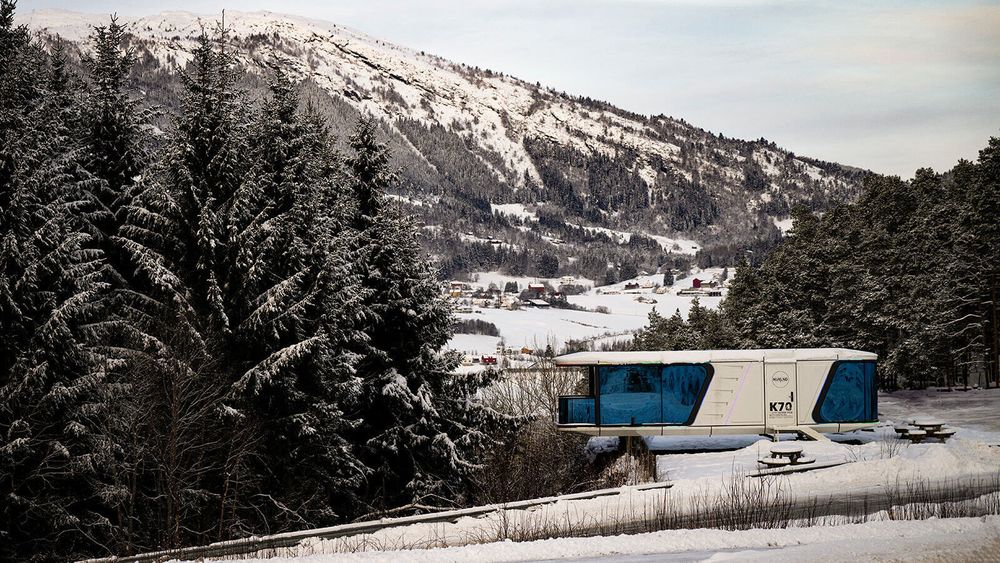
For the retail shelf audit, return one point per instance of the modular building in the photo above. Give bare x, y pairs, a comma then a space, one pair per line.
708, 392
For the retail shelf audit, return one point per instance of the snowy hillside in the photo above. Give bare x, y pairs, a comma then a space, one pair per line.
601, 315
485, 153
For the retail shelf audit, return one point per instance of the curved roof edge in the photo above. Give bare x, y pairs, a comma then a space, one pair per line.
703, 356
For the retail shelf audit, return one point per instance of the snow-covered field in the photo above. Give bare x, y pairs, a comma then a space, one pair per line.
944, 540
889, 501
975, 408
536, 327
876, 465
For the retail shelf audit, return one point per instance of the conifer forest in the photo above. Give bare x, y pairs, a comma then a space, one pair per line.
228, 331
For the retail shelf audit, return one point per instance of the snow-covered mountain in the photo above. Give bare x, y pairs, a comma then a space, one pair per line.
472, 143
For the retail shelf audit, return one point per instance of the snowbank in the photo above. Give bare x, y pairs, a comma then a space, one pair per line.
822, 543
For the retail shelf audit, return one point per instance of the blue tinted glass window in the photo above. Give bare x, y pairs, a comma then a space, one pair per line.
630, 394
651, 394
850, 395
682, 390
576, 410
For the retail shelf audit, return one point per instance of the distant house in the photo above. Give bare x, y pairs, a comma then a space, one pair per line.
536, 290
696, 283
557, 297
631, 285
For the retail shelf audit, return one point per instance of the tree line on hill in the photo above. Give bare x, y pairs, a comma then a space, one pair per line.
219, 331
911, 271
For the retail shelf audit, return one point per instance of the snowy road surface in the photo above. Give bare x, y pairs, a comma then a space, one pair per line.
674, 557
923, 541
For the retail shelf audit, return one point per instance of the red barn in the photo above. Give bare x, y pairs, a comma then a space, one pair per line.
696, 283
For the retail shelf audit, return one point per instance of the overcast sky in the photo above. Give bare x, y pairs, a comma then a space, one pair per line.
886, 85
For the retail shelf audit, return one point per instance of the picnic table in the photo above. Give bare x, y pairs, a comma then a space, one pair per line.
929, 425
785, 454
925, 428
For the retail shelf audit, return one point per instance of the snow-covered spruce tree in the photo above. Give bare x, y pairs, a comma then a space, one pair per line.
53, 460
296, 316
704, 329
114, 139
177, 235
115, 145
422, 430
981, 209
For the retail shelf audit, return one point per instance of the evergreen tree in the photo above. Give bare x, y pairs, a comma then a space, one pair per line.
704, 329
370, 167
178, 233
297, 316
668, 278
906, 272
114, 139
53, 394
421, 430
547, 266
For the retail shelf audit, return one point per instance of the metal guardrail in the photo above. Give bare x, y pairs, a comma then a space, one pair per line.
244, 546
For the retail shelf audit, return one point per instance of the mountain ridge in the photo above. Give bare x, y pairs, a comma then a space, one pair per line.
469, 139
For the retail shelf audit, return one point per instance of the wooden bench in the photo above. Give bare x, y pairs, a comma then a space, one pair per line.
774, 461
916, 436
942, 434
901, 430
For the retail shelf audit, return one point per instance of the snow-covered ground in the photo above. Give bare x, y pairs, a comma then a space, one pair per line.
515, 210
474, 344
678, 245
784, 225
975, 408
876, 467
953, 539
536, 327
